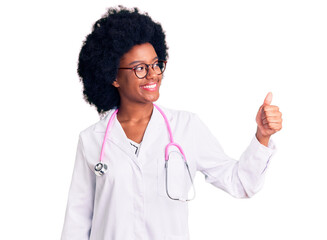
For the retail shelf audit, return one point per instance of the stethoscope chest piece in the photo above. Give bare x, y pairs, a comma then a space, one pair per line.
100, 169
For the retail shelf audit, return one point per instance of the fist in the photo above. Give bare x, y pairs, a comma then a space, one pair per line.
269, 120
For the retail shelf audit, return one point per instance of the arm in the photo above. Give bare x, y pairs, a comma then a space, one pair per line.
241, 179
79, 209
245, 177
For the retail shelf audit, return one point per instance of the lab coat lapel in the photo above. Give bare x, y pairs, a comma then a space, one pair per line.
117, 136
155, 138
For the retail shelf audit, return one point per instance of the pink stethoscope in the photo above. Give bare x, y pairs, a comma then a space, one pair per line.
101, 168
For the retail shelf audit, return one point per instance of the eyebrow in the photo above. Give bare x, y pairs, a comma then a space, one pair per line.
135, 62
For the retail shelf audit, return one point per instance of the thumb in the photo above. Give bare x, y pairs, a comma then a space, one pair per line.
268, 99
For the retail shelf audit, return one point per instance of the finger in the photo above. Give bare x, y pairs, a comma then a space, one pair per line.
270, 108
271, 120
273, 126
268, 99
271, 114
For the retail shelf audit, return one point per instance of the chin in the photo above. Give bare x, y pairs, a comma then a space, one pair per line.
153, 99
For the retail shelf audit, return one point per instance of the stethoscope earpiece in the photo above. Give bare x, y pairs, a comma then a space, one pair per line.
100, 169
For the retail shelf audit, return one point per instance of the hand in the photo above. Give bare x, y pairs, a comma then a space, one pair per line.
269, 120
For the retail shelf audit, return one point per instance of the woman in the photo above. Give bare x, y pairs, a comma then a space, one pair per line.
133, 195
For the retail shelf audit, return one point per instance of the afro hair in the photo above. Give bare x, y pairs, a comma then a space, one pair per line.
112, 36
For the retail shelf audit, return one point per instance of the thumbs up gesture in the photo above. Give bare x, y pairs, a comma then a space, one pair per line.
269, 120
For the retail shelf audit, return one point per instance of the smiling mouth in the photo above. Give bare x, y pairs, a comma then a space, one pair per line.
150, 87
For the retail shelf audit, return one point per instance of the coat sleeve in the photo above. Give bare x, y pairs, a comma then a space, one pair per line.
242, 178
79, 211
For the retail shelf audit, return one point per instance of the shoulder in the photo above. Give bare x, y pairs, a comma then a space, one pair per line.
175, 114
181, 118
98, 127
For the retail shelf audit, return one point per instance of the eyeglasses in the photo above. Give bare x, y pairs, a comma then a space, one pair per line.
141, 70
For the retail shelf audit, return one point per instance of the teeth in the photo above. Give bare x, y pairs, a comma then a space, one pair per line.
150, 86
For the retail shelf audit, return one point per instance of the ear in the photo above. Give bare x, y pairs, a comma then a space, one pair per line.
115, 84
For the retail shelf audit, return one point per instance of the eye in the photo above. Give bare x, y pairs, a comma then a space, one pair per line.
140, 68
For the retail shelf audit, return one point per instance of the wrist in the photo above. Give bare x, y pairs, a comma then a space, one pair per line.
264, 140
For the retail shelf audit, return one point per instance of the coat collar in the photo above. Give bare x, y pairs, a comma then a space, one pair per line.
101, 126
155, 135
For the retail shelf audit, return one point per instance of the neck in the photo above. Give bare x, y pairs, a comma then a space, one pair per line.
134, 112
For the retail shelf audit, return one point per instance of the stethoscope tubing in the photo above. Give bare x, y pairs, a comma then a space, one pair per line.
105, 135
101, 168
172, 143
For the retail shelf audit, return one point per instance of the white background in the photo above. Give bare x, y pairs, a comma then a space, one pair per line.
224, 58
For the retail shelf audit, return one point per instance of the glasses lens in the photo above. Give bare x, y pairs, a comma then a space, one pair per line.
141, 70
159, 67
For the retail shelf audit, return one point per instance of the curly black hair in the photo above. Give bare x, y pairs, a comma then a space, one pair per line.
112, 36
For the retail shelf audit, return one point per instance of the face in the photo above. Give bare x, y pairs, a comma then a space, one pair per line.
132, 89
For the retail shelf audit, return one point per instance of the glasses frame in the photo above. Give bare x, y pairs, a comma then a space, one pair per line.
147, 69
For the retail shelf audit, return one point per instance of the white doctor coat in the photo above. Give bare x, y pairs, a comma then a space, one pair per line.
130, 202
